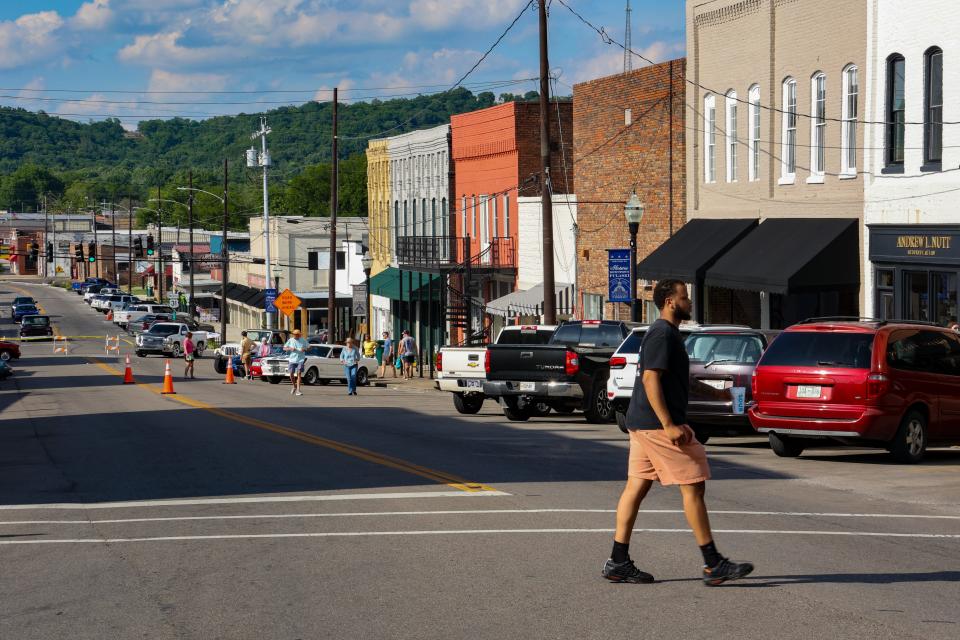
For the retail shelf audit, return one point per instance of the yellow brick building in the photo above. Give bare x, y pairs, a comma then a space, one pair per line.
378, 204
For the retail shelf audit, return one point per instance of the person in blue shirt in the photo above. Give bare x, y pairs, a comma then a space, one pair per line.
389, 355
296, 347
350, 359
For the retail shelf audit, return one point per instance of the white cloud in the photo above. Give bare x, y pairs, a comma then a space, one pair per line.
93, 15
610, 60
440, 14
164, 50
29, 39
325, 93
161, 80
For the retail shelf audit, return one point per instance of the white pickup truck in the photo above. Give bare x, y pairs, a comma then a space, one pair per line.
462, 370
166, 338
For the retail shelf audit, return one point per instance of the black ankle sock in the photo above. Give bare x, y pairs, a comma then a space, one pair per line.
711, 557
621, 551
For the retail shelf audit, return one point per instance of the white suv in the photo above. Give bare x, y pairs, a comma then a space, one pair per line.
623, 366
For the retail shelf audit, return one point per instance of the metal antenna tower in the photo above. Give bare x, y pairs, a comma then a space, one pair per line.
628, 43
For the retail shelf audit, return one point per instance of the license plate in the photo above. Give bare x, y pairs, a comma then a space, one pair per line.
716, 384
528, 386
808, 391
471, 384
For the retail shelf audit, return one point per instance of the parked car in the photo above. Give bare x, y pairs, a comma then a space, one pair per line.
134, 310
21, 300
97, 289
568, 373
231, 349
103, 303
9, 350
32, 327
460, 370
323, 365
143, 323
892, 384
116, 305
22, 310
166, 338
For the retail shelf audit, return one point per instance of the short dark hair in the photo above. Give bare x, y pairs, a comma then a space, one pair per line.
243, 333
663, 290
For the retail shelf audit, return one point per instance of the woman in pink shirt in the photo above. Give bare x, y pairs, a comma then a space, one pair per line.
188, 349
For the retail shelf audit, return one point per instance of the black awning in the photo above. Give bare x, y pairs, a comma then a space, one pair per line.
694, 248
785, 255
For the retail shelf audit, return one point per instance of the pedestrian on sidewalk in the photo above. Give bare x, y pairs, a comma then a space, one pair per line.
296, 347
188, 351
369, 347
663, 446
388, 356
408, 351
350, 359
246, 347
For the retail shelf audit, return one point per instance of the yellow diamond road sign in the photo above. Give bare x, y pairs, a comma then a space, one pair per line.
287, 302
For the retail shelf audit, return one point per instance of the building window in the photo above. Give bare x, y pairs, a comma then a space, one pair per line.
506, 215
818, 124
496, 218
754, 140
709, 139
463, 215
433, 217
848, 142
404, 217
443, 217
412, 231
788, 151
933, 107
592, 306
896, 105
473, 216
731, 156
396, 223
423, 213
341, 260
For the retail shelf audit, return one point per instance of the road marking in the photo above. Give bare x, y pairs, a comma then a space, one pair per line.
338, 497
463, 532
445, 512
440, 477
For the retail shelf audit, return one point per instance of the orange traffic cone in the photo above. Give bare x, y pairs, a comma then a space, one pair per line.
128, 373
167, 381
229, 379
110, 315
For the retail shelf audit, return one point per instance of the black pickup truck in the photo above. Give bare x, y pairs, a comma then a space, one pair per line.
568, 373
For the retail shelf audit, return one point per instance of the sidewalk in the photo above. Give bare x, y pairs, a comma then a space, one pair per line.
417, 384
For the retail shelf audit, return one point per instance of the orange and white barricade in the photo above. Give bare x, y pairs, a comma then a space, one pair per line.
112, 345
60, 344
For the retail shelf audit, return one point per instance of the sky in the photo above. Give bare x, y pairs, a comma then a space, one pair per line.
136, 59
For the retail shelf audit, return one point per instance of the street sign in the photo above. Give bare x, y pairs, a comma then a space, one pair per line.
618, 275
270, 296
287, 302
360, 300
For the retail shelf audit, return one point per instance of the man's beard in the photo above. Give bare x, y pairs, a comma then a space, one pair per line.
683, 314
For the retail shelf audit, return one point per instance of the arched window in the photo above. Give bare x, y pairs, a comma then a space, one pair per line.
731, 145
788, 140
405, 228
850, 111
433, 217
709, 138
425, 222
753, 143
896, 109
933, 106
443, 218
396, 223
818, 124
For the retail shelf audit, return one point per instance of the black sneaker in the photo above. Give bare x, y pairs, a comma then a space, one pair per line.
625, 572
725, 571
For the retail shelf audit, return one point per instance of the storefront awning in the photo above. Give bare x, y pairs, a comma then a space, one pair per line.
694, 248
530, 301
785, 255
388, 284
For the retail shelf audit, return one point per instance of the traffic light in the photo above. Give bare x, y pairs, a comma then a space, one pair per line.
92, 251
78, 252
150, 245
138, 247
49, 252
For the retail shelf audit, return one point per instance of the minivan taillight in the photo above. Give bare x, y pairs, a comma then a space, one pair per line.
618, 362
440, 361
753, 385
486, 361
571, 364
877, 385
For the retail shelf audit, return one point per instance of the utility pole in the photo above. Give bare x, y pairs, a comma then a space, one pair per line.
264, 161
113, 241
192, 308
546, 190
130, 255
160, 274
46, 237
332, 267
95, 241
225, 257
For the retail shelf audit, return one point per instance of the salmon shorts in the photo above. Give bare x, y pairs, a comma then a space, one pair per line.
654, 457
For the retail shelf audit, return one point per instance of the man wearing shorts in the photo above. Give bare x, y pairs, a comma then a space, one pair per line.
662, 446
246, 344
296, 347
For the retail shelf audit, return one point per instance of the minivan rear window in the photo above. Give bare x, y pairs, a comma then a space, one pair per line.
836, 350
724, 347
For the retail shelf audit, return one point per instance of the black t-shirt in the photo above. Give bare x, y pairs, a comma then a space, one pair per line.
662, 349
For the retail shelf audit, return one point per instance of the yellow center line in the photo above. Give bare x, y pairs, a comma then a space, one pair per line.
367, 455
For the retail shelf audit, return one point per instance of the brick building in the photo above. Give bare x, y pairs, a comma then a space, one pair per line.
628, 134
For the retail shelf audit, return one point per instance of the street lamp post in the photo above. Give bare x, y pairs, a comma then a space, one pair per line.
367, 262
634, 214
277, 271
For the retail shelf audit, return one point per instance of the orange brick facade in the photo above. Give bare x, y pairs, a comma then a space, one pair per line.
613, 158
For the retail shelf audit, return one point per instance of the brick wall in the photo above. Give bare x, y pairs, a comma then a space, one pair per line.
612, 159
528, 143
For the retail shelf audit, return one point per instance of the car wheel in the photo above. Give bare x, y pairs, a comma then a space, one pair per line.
5, 356
275, 379
363, 378
910, 442
599, 410
219, 365
175, 351
141, 354
199, 351
467, 403
514, 411
785, 446
622, 421
310, 377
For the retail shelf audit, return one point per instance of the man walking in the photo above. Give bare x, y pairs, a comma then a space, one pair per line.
662, 446
246, 346
408, 353
388, 356
296, 347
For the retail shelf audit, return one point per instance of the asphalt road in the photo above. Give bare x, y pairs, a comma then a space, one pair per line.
244, 512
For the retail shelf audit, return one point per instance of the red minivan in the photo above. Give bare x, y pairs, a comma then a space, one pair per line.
893, 384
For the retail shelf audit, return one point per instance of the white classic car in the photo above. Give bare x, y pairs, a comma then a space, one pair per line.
322, 365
